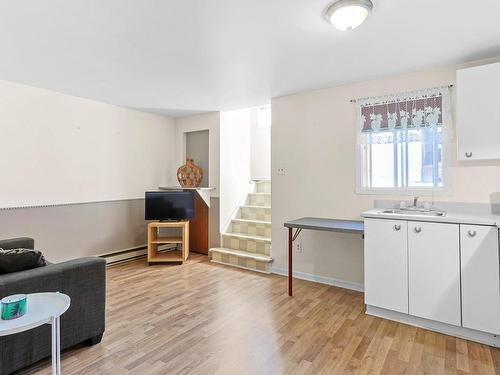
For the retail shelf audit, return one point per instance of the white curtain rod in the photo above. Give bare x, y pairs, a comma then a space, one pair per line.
402, 93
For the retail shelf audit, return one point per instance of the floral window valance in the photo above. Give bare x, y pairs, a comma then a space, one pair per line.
412, 110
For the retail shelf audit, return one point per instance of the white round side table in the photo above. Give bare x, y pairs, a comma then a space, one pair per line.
42, 308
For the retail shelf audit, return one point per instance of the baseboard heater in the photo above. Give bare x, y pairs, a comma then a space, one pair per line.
128, 255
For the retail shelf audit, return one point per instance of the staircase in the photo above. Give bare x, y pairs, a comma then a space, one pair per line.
247, 244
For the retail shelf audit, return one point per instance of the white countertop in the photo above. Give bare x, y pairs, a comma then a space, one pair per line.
450, 217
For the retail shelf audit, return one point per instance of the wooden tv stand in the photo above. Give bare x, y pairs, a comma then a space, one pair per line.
155, 240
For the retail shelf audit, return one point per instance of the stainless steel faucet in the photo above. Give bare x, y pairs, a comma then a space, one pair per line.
415, 202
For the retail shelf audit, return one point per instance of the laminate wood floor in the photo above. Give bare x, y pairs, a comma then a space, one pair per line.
202, 318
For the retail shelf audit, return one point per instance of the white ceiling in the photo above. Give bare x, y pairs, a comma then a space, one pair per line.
178, 57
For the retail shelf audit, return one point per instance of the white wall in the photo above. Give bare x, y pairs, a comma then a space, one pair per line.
260, 148
77, 144
313, 138
207, 121
57, 149
235, 162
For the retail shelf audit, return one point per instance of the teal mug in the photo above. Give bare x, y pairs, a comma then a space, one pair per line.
13, 307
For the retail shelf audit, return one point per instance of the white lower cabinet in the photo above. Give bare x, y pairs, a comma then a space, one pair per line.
442, 272
480, 278
386, 259
434, 271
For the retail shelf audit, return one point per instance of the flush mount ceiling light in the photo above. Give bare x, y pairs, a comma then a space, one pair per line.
348, 14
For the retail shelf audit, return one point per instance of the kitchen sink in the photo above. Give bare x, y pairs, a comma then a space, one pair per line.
415, 212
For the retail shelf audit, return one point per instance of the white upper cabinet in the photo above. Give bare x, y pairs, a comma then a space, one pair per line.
386, 260
434, 271
480, 278
477, 108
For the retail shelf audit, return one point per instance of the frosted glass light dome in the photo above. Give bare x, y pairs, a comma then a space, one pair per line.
348, 14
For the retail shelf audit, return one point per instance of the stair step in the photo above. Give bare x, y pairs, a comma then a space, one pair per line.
263, 186
243, 254
250, 227
252, 244
259, 199
241, 259
253, 206
251, 221
247, 237
262, 213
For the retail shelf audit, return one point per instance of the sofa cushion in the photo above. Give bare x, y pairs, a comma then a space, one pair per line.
15, 260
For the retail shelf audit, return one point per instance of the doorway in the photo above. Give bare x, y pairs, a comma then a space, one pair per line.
197, 148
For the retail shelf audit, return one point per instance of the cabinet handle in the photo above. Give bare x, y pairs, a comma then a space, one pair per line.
468, 154
417, 229
471, 233
397, 227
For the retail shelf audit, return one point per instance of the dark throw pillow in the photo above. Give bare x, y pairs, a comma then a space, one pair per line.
15, 260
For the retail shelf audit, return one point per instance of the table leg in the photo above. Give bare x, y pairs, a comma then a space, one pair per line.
56, 347
290, 266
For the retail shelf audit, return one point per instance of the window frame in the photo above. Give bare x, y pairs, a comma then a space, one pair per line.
446, 144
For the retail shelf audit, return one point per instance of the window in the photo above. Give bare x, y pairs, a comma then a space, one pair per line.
401, 142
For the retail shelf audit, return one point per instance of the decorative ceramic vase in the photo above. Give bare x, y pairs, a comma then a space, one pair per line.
189, 175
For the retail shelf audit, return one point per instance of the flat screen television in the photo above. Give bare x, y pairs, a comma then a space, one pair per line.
169, 205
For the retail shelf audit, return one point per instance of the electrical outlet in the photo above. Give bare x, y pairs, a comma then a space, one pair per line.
298, 247
281, 171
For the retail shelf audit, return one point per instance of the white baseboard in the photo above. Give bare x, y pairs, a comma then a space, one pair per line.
447, 329
320, 279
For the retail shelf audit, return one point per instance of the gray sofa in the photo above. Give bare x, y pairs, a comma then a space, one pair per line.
82, 279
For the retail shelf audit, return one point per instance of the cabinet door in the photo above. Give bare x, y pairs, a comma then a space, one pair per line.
434, 271
480, 278
386, 272
478, 125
